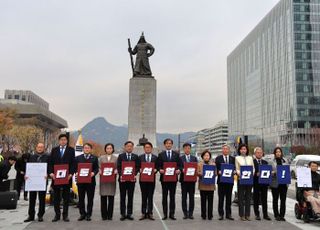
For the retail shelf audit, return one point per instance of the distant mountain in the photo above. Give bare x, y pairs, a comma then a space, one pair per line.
101, 131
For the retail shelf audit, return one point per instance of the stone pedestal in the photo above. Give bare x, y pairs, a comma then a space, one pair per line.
142, 109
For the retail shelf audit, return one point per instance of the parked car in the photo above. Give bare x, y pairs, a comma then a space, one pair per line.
302, 161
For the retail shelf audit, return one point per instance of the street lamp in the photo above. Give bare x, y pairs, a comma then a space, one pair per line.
262, 137
289, 130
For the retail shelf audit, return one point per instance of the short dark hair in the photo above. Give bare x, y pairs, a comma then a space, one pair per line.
186, 144
313, 162
275, 150
128, 142
148, 143
88, 144
204, 152
63, 135
109, 144
12, 158
166, 140
241, 146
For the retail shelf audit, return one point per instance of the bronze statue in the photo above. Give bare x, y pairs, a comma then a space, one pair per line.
143, 50
143, 140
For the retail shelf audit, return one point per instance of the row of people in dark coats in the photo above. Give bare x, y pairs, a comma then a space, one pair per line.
66, 155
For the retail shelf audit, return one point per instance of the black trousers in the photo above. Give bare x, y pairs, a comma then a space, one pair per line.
281, 192
147, 191
225, 192
32, 203
107, 203
126, 189
244, 199
57, 189
169, 187
20, 183
260, 194
187, 189
83, 190
206, 201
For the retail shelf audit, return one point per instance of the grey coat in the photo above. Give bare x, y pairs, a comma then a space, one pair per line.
273, 163
108, 189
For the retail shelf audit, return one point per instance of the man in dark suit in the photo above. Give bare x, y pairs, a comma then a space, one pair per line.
224, 189
147, 188
168, 155
187, 188
260, 191
62, 154
87, 188
127, 187
38, 157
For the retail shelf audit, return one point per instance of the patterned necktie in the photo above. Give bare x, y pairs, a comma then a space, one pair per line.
148, 157
61, 152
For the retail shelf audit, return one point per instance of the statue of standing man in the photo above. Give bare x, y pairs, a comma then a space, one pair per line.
143, 50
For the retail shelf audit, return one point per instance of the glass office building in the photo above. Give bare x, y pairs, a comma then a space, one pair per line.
274, 78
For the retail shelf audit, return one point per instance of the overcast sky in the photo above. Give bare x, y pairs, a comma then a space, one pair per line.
74, 55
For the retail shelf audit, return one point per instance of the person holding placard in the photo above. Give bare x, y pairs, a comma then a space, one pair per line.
147, 187
188, 186
60, 156
244, 183
168, 187
278, 190
260, 191
88, 168
312, 194
206, 188
127, 179
38, 157
224, 188
107, 189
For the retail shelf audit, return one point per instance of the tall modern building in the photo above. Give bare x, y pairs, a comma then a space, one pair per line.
274, 77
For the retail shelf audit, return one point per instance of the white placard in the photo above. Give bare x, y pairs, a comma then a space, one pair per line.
227, 173
304, 177
191, 172
36, 174
84, 172
107, 171
127, 170
170, 171
147, 171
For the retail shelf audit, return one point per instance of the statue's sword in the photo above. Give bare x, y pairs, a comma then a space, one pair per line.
131, 58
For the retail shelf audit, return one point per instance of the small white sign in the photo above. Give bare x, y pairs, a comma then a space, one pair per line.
190, 172
84, 172
209, 174
36, 174
127, 170
170, 171
147, 171
246, 175
107, 171
304, 177
265, 174
227, 173
61, 173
